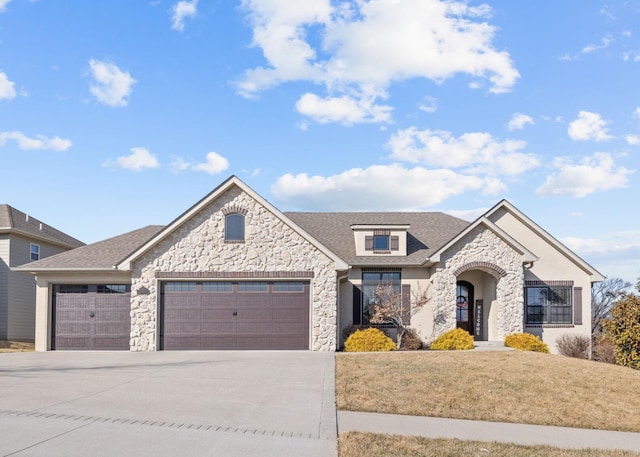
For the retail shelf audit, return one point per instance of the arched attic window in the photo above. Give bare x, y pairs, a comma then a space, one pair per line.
234, 228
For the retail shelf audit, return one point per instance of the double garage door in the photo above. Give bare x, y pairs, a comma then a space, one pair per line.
235, 315
193, 315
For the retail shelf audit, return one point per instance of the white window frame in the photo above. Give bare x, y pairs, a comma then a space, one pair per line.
32, 251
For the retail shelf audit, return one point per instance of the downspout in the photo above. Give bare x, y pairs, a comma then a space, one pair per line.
338, 326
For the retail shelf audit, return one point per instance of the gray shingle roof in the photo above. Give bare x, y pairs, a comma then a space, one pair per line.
101, 255
428, 232
13, 220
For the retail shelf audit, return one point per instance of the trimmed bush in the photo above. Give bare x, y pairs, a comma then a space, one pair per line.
572, 345
526, 342
369, 340
410, 341
453, 340
604, 350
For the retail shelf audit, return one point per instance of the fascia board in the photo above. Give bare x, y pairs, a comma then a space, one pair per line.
596, 276
125, 264
528, 256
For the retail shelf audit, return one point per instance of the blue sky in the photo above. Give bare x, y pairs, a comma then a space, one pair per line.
115, 115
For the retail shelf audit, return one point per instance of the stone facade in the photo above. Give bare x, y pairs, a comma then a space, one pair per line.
483, 250
198, 246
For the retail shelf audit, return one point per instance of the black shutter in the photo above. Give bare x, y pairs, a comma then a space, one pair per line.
357, 305
395, 243
577, 306
406, 304
368, 243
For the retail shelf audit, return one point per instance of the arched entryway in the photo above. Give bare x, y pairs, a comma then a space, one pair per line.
464, 306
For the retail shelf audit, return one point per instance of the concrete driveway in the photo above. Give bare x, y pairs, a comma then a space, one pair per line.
255, 403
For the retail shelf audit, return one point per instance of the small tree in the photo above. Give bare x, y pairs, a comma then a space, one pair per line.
603, 295
388, 308
623, 329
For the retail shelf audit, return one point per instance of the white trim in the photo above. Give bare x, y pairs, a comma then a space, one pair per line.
31, 245
596, 276
125, 264
527, 256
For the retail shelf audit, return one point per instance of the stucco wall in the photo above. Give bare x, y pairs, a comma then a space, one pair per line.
198, 246
483, 250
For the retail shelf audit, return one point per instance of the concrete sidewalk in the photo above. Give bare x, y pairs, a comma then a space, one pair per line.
432, 427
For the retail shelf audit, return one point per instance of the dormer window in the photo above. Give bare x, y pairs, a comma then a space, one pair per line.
381, 243
388, 240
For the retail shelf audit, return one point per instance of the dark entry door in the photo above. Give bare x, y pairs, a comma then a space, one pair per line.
464, 306
91, 317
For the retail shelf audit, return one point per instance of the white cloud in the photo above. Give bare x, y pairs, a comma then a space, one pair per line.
605, 43
344, 109
379, 187
139, 159
355, 55
181, 11
519, 121
39, 142
636, 112
467, 214
615, 254
632, 139
428, 105
214, 164
592, 174
3, 5
589, 126
7, 91
474, 153
111, 86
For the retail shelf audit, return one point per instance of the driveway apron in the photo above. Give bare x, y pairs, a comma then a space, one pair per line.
257, 403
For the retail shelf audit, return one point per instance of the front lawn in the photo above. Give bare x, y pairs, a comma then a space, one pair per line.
514, 386
355, 444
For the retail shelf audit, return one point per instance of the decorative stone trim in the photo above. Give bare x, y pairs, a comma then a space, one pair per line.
231, 209
549, 283
480, 264
233, 274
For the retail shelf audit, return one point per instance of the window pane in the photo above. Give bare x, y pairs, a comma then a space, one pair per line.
234, 227
34, 252
181, 287
549, 305
252, 286
73, 289
216, 287
113, 289
380, 242
288, 286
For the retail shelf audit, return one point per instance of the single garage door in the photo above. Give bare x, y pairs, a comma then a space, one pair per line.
91, 317
235, 315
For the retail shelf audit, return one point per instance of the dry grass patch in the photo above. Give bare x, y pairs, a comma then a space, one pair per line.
15, 346
514, 386
355, 444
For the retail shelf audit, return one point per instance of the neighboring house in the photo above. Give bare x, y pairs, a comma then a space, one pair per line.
23, 239
233, 272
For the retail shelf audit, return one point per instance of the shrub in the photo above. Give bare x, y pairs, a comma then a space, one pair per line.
456, 339
410, 341
526, 342
369, 340
604, 350
350, 329
623, 329
572, 345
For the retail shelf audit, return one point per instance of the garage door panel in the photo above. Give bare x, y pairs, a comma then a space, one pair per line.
185, 314
91, 320
243, 316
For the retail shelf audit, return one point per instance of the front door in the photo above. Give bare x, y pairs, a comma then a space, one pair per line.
464, 306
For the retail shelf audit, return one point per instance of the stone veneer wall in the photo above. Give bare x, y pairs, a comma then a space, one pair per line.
480, 249
198, 246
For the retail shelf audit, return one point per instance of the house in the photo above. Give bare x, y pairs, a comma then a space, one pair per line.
23, 239
233, 272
